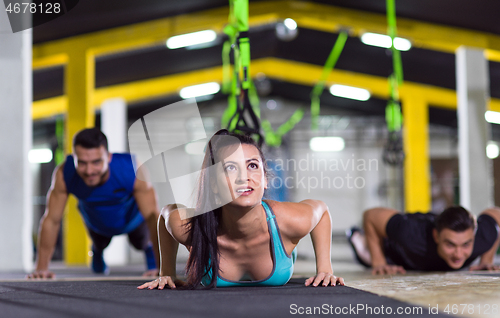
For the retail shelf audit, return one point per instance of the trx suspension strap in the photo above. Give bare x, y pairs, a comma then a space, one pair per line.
327, 69
59, 154
240, 116
393, 151
273, 138
243, 113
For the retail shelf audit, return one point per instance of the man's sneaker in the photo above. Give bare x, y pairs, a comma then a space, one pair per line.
98, 264
349, 233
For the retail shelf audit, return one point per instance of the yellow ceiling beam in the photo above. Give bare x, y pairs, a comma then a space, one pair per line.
307, 14
139, 35
307, 74
49, 107
494, 105
50, 61
492, 55
422, 34
134, 36
289, 71
158, 87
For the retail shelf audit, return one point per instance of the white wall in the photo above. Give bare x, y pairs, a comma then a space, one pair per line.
16, 214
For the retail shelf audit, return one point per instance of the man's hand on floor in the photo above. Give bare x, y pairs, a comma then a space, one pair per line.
388, 269
151, 273
41, 274
484, 267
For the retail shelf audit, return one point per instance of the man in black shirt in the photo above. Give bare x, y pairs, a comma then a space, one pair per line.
393, 242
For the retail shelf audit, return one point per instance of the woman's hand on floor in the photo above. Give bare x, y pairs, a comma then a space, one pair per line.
162, 282
324, 279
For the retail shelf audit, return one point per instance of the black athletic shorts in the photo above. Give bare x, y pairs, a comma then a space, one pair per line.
139, 238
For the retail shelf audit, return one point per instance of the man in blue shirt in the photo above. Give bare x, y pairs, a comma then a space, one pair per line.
110, 199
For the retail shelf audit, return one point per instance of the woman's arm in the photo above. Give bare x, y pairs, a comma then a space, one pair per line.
321, 239
170, 234
312, 217
321, 236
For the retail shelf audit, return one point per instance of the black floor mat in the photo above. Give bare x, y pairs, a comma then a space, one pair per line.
122, 299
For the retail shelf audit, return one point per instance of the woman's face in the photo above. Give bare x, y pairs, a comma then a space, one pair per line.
241, 179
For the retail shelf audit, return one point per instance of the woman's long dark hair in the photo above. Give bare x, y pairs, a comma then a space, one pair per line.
202, 229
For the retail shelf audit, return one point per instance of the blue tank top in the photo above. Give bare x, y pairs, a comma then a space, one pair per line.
109, 209
282, 262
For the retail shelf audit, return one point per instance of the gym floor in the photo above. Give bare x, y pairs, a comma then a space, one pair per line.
76, 292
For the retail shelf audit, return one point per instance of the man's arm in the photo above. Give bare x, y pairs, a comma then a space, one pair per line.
50, 224
145, 196
487, 258
374, 223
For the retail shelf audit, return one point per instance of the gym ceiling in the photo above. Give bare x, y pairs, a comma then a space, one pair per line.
430, 63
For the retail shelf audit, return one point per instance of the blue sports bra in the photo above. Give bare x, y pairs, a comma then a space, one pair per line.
282, 262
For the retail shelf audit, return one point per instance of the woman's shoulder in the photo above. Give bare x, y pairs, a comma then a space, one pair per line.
177, 218
294, 218
301, 208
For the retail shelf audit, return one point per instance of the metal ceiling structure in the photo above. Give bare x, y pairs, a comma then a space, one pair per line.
127, 40
94, 15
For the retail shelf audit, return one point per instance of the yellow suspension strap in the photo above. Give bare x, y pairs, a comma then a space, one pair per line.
393, 151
